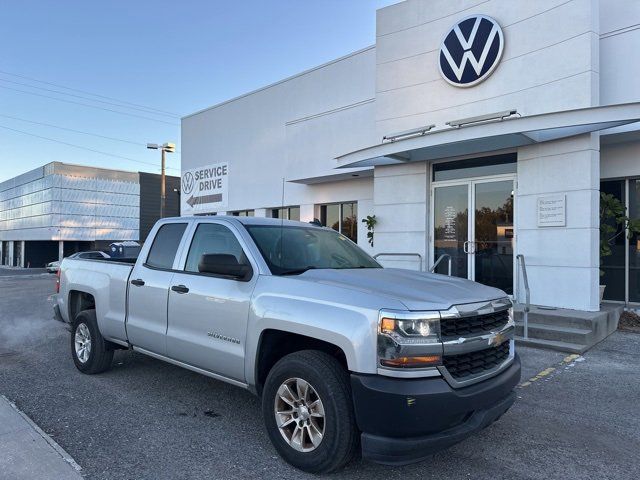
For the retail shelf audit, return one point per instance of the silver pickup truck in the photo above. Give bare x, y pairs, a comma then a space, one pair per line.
346, 355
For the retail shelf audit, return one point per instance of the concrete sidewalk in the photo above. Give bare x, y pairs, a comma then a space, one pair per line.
26, 452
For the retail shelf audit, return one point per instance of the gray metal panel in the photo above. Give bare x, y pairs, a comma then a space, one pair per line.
33, 207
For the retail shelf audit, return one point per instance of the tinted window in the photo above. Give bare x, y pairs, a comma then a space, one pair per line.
165, 245
94, 255
293, 250
213, 238
475, 167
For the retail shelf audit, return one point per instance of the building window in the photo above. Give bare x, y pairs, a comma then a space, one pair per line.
287, 213
475, 167
243, 213
621, 270
342, 217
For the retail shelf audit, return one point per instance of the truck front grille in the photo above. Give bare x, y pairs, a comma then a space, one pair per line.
453, 328
467, 364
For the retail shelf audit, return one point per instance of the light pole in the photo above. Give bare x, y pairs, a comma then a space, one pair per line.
165, 147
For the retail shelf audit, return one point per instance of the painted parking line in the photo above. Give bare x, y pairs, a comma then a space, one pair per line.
567, 362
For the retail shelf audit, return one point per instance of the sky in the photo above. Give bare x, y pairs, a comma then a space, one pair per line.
74, 72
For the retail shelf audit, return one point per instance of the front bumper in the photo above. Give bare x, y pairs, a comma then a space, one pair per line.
406, 420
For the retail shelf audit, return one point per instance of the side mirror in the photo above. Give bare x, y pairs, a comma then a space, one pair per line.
223, 264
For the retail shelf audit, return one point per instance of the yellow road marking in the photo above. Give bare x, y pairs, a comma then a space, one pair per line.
566, 362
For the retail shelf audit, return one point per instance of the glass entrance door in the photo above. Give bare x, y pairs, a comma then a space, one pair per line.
473, 222
493, 235
451, 228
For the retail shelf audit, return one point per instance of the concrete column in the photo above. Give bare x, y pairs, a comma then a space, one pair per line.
10, 253
22, 244
60, 250
307, 212
562, 261
400, 203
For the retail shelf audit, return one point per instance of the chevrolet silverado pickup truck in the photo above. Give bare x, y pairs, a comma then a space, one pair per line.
347, 356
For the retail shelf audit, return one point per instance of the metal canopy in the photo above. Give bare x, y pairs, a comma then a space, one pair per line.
492, 136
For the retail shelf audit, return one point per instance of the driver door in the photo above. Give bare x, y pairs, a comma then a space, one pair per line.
207, 314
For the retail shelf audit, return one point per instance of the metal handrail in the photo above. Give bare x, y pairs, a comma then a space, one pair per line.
440, 258
400, 255
527, 306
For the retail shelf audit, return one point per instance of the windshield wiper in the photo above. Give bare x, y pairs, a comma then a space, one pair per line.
297, 271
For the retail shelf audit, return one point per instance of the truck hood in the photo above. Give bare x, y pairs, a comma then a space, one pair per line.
416, 290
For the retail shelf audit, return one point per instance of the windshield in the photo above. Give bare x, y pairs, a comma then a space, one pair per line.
292, 250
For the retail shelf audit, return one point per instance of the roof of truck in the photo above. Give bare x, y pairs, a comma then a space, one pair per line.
247, 220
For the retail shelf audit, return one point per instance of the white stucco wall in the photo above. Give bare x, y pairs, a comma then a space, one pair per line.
293, 129
550, 61
562, 262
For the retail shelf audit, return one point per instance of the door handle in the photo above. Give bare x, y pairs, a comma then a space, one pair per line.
465, 247
180, 289
138, 282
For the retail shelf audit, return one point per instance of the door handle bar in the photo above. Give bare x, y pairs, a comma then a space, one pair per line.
138, 282
180, 289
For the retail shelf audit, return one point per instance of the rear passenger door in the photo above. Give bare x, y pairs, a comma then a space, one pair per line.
208, 314
149, 289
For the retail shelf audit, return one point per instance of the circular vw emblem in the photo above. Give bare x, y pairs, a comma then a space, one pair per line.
471, 51
187, 183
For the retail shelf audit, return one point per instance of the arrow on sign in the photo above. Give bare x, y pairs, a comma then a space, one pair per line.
215, 198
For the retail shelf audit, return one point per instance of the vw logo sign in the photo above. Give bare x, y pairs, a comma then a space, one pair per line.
187, 183
471, 51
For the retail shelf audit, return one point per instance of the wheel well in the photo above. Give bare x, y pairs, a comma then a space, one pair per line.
275, 344
79, 301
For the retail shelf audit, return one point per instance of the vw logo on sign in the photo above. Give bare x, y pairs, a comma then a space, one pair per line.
471, 51
187, 183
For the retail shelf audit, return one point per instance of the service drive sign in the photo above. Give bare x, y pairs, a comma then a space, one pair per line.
204, 188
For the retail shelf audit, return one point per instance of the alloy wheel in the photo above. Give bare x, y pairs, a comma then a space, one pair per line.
299, 414
82, 342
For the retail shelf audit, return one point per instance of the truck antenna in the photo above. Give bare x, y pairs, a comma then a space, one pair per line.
282, 225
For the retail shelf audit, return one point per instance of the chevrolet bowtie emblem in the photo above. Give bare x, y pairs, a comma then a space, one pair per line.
471, 51
497, 339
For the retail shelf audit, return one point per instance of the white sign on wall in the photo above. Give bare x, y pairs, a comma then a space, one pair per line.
204, 188
552, 211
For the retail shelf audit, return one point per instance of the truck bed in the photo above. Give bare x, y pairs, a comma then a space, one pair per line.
106, 280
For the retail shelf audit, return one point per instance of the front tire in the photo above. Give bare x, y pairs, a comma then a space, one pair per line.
91, 353
308, 411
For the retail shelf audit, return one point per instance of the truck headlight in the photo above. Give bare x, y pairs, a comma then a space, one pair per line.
419, 330
409, 339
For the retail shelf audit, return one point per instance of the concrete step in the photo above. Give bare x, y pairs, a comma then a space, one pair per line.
567, 330
566, 318
541, 331
552, 345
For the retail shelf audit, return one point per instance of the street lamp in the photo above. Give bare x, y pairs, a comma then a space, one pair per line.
165, 147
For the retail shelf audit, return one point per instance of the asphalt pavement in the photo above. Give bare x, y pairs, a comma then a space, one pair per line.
575, 417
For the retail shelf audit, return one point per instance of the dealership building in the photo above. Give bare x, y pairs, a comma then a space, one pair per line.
479, 129
58, 209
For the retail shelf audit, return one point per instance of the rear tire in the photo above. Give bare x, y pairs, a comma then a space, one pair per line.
91, 353
313, 390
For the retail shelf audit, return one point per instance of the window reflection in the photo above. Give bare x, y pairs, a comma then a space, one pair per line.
342, 217
613, 266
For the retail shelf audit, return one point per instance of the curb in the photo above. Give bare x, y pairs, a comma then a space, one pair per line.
61, 451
